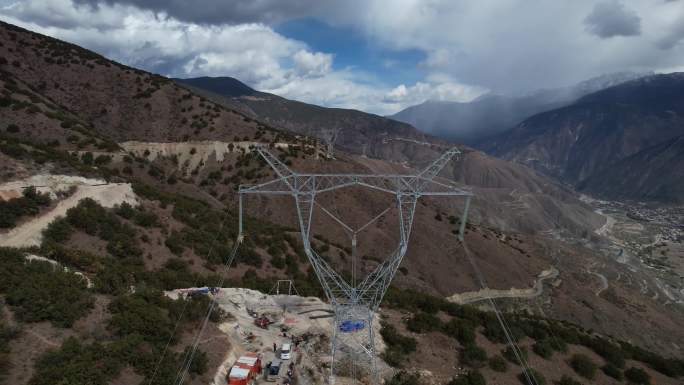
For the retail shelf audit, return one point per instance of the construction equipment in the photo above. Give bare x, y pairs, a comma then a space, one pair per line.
245, 370
262, 322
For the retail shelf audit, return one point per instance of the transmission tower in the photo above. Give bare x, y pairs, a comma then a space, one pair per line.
355, 303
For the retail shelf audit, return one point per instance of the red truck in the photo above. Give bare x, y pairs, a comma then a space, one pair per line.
245, 370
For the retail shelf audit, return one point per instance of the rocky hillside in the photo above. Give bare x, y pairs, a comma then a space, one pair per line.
357, 132
177, 158
653, 174
579, 142
476, 121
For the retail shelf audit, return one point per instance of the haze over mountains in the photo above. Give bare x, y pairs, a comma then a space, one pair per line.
627, 132
492, 114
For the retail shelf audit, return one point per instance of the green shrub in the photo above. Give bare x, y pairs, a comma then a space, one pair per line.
58, 231
473, 356
39, 291
398, 346
423, 322
567, 380
610, 352
29, 204
199, 362
583, 365
471, 377
509, 354
637, 376
77, 364
612, 371
536, 378
543, 349
462, 330
498, 364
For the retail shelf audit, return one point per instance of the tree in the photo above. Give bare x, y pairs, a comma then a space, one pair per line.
567, 380
612, 371
637, 376
543, 349
87, 158
473, 356
583, 365
498, 364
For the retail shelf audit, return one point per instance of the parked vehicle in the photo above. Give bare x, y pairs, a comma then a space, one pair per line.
245, 370
273, 373
262, 322
285, 352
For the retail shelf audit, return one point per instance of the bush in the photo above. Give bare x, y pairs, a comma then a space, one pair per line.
40, 291
637, 376
13, 128
612, 371
58, 231
509, 354
567, 380
473, 356
536, 377
543, 349
610, 352
199, 363
423, 322
398, 346
29, 204
471, 377
144, 314
498, 364
76, 364
583, 366
93, 219
462, 330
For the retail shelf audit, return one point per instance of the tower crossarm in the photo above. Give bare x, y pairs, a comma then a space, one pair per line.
434, 188
276, 164
430, 172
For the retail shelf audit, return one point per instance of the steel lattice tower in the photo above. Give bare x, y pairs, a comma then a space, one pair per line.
355, 302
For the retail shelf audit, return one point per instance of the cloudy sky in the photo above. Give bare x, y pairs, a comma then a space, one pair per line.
375, 55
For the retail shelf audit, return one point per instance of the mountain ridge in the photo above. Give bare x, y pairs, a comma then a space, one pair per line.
491, 114
574, 142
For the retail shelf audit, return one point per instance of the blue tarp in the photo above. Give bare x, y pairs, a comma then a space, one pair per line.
352, 325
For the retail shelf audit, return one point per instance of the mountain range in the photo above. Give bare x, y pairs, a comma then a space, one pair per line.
620, 142
474, 122
175, 151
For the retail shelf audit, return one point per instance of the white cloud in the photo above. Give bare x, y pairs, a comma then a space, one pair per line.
440, 90
310, 64
502, 45
251, 52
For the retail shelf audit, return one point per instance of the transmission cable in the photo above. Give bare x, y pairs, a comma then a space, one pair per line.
191, 354
529, 376
185, 303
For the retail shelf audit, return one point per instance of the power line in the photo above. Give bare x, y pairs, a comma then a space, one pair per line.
529, 376
180, 377
185, 303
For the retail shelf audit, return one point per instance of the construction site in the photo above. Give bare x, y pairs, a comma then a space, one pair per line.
304, 340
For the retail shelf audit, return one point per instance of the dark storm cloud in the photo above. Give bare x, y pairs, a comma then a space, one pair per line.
611, 18
222, 11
